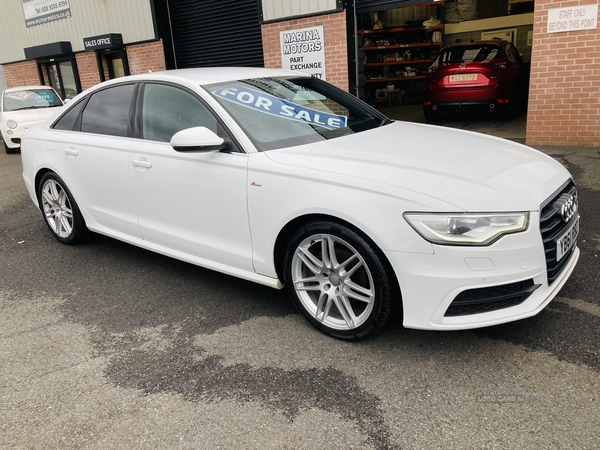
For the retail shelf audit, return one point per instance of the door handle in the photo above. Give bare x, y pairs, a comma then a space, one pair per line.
145, 164
71, 151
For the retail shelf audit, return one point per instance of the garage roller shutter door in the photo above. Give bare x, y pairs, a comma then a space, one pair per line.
216, 33
365, 6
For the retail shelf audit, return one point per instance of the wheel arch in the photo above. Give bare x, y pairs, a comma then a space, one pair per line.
38, 178
296, 223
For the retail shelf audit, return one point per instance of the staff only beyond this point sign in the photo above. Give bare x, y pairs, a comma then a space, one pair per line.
304, 50
575, 18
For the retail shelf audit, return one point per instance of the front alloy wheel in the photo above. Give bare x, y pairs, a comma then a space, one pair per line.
338, 281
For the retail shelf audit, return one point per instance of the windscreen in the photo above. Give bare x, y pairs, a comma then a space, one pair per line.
30, 99
282, 112
469, 54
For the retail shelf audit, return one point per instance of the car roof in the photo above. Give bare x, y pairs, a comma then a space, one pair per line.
211, 75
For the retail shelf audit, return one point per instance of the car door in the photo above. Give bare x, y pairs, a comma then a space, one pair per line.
189, 202
95, 140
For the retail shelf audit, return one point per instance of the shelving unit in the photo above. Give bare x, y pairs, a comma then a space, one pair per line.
395, 58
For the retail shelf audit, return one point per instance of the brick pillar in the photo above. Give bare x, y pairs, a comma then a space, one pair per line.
336, 52
564, 93
146, 57
87, 66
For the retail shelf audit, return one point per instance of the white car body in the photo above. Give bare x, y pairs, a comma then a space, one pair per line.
25, 119
147, 194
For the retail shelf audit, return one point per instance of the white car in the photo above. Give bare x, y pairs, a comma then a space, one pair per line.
23, 107
283, 179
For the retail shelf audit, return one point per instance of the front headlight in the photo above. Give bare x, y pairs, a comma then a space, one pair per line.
12, 124
466, 229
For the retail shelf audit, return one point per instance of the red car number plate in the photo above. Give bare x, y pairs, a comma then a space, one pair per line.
465, 77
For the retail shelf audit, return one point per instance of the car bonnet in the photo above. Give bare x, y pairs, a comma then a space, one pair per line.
31, 115
472, 171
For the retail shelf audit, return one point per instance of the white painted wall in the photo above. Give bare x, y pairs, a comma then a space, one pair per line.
131, 18
278, 9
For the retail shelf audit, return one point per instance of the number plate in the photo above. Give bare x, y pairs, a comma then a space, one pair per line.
567, 240
466, 77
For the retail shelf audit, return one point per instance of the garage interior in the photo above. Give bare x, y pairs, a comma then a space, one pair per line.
398, 41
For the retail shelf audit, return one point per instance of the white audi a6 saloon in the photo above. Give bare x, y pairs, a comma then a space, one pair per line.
282, 179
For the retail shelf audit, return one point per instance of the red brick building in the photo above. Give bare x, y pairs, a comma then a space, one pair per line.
99, 39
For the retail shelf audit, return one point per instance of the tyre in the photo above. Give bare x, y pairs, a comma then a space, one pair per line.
512, 109
60, 211
431, 116
9, 150
339, 280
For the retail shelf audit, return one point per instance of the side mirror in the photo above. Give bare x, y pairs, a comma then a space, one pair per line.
197, 139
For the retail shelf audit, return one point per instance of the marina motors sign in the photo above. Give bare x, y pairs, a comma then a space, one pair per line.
574, 18
304, 50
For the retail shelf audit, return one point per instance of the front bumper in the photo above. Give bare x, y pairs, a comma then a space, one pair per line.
430, 283
12, 137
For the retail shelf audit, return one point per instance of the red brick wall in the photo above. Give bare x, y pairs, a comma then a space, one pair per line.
564, 94
336, 52
88, 69
21, 74
146, 57
142, 58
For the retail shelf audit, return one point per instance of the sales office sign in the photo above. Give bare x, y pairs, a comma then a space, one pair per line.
38, 12
304, 50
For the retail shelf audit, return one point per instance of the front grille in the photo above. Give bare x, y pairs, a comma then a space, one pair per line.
15, 140
482, 300
552, 226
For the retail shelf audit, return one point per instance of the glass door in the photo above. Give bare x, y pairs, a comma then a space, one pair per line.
117, 64
62, 78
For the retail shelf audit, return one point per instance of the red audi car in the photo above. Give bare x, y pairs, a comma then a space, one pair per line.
484, 75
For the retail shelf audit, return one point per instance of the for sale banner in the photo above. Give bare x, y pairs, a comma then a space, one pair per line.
38, 12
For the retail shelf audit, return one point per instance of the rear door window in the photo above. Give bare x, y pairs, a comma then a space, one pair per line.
69, 119
108, 111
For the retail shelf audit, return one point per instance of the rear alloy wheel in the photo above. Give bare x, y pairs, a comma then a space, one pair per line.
60, 211
338, 280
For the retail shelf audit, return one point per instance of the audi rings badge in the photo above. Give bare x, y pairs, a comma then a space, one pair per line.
567, 204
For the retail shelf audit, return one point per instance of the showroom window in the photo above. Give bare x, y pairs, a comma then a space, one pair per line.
56, 66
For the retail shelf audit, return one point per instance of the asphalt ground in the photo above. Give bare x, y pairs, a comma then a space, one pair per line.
105, 345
